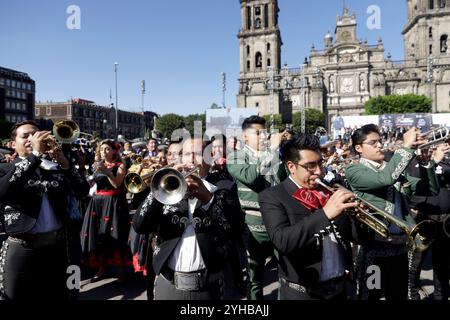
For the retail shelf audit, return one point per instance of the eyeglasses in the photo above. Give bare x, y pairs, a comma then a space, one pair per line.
373, 142
311, 166
258, 132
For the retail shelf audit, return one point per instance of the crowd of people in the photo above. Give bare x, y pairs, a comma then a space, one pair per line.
200, 217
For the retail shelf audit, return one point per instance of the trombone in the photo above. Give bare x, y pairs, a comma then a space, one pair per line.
420, 235
434, 137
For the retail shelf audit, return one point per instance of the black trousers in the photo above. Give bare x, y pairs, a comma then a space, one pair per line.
34, 273
288, 293
441, 264
394, 278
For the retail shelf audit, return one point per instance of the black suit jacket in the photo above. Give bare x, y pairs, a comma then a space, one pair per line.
297, 234
214, 228
22, 186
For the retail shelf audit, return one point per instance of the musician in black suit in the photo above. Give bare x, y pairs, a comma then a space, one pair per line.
194, 234
306, 225
34, 193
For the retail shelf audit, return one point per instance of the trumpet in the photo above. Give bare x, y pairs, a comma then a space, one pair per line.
420, 235
169, 186
64, 131
135, 178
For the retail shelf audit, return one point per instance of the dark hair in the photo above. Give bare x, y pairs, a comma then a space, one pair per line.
219, 136
19, 124
253, 120
361, 134
113, 145
289, 150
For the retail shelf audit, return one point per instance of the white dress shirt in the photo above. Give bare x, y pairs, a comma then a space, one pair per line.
187, 256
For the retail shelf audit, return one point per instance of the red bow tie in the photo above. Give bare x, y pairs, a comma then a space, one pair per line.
312, 199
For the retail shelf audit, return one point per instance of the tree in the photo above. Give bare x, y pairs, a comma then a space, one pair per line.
189, 122
168, 123
408, 103
314, 119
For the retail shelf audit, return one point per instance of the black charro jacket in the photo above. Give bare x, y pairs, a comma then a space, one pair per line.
22, 186
215, 227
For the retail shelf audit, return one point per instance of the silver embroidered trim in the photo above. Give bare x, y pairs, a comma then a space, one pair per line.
389, 207
167, 209
3, 252
147, 202
257, 227
249, 204
20, 168
406, 157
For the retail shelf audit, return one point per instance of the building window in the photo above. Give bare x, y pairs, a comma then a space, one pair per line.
258, 60
444, 45
268, 62
266, 15
29, 86
430, 51
2, 81
257, 23
441, 3
249, 18
268, 48
248, 50
37, 111
430, 32
248, 65
13, 83
430, 4
257, 104
8, 82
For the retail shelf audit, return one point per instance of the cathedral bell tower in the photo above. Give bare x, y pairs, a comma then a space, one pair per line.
260, 50
427, 31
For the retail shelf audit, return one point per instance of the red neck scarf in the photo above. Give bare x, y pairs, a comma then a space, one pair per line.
312, 199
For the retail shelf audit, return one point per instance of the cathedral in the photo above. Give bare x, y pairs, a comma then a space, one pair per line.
340, 77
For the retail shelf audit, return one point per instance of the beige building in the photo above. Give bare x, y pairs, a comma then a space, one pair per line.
347, 72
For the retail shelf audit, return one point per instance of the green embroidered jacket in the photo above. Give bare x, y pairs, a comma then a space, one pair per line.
376, 185
254, 172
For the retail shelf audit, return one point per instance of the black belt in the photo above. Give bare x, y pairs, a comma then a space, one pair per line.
191, 281
39, 240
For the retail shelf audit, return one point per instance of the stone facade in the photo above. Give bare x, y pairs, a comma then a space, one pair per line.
348, 71
92, 118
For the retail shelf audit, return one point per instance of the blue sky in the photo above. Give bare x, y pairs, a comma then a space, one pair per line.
179, 47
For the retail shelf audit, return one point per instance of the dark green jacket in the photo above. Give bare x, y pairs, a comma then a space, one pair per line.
378, 185
253, 173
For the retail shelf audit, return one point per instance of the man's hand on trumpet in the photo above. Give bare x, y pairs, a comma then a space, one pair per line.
38, 141
439, 153
338, 203
412, 138
196, 189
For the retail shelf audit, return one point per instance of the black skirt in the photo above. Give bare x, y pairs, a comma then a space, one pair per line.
106, 225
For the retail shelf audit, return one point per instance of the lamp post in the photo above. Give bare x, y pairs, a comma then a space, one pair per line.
224, 88
143, 115
117, 120
271, 86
